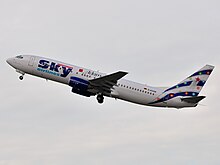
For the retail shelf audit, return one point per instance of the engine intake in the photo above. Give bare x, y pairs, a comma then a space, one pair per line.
80, 86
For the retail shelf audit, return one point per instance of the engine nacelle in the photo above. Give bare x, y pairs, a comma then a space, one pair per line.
80, 86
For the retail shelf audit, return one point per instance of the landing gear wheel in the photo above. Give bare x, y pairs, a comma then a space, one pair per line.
100, 99
21, 77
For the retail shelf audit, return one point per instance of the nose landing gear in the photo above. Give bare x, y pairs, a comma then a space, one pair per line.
100, 98
22, 74
21, 77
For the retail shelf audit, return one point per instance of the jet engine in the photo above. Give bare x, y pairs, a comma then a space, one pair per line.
80, 86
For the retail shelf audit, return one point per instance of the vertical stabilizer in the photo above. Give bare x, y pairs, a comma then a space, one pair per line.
192, 85
188, 88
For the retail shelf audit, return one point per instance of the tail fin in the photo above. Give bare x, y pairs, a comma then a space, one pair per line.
192, 85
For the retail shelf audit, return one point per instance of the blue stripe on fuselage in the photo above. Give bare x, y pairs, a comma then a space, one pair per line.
79, 80
173, 95
187, 83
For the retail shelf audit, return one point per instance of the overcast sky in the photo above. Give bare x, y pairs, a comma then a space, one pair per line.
158, 42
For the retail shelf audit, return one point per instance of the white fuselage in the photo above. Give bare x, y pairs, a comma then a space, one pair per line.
61, 72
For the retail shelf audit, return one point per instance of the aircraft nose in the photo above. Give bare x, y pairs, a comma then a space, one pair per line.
9, 61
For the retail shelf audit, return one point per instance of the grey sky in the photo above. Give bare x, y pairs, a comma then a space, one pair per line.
158, 42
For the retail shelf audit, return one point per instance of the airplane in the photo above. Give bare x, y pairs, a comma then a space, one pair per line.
88, 83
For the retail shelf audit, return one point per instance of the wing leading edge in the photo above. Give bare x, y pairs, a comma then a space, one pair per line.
105, 84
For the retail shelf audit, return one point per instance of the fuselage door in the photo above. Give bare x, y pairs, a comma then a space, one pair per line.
31, 61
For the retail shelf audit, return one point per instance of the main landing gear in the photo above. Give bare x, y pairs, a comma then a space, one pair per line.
100, 98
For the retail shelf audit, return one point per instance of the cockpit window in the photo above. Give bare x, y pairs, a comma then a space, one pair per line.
20, 57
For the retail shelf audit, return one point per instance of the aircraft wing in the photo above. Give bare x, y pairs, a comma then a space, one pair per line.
105, 84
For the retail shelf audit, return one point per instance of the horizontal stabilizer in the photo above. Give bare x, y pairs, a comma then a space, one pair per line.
193, 99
